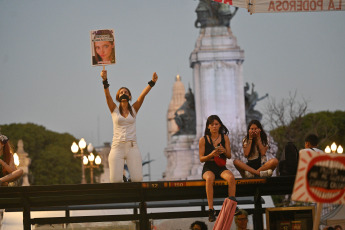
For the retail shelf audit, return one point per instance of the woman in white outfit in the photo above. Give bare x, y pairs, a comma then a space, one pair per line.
124, 146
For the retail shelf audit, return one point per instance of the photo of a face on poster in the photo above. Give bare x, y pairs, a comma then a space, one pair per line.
102, 47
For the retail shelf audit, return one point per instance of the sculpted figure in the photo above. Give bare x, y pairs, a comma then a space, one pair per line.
211, 13
185, 117
250, 102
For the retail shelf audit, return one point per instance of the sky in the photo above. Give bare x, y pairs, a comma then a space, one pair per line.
46, 75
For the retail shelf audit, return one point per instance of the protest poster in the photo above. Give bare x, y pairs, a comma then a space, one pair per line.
102, 47
320, 178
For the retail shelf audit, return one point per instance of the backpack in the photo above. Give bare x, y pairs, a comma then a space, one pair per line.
289, 160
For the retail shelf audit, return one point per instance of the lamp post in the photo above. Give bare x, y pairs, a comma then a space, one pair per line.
91, 158
334, 149
75, 148
16, 159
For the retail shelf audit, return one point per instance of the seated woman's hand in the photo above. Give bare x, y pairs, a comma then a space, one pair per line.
221, 149
215, 152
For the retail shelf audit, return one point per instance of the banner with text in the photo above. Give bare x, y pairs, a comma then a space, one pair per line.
320, 178
280, 6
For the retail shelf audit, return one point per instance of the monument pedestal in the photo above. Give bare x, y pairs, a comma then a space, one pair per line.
179, 157
218, 79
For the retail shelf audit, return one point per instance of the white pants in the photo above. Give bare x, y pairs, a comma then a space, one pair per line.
121, 152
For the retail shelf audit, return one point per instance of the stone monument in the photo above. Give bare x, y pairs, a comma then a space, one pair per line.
178, 152
218, 86
24, 162
177, 100
217, 73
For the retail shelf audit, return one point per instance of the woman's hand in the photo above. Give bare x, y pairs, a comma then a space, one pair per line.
251, 134
221, 149
154, 77
257, 134
104, 75
216, 152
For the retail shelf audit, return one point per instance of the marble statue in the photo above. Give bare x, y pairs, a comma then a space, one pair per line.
211, 13
250, 102
185, 117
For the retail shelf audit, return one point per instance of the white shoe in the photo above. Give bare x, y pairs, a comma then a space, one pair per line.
248, 174
267, 173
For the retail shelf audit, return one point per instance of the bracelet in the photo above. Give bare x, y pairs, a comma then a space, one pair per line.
151, 83
105, 84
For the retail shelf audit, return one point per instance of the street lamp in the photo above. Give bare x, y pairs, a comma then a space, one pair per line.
334, 149
75, 148
16, 159
91, 158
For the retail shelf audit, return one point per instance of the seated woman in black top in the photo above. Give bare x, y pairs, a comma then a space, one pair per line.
214, 147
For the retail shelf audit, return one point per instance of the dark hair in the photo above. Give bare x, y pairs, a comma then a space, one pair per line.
222, 129
312, 139
338, 227
200, 223
118, 99
7, 153
262, 131
291, 152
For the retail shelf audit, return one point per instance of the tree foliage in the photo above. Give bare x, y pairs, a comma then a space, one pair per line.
289, 120
328, 126
52, 161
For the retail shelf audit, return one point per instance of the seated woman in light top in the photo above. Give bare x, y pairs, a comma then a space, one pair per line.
255, 146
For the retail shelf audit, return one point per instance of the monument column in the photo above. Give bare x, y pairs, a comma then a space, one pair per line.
217, 73
218, 78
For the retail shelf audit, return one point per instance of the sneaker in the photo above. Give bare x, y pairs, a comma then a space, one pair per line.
267, 173
248, 174
211, 215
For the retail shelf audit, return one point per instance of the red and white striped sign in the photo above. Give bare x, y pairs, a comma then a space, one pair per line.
320, 178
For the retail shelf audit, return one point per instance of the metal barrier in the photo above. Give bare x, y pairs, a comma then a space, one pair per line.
136, 195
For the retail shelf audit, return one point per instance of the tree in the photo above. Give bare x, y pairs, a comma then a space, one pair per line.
52, 161
289, 121
284, 119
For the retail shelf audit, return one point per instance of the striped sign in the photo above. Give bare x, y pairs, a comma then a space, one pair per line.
320, 178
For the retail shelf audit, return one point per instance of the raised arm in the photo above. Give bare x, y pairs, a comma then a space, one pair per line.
108, 97
143, 94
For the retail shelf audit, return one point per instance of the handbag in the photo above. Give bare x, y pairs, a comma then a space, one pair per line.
220, 160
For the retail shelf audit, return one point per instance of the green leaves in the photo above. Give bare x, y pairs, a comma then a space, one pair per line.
52, 161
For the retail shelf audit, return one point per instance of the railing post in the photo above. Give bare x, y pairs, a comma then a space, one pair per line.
257, 217
144, 222
26, 213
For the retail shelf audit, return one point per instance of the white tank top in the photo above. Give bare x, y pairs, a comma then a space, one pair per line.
123, 128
